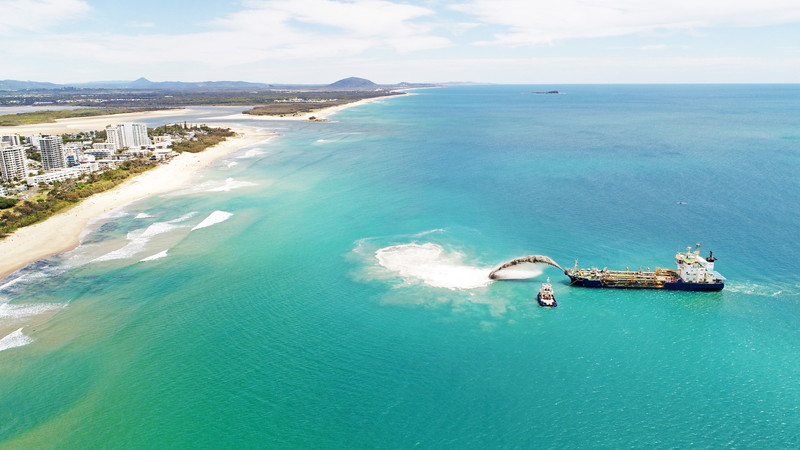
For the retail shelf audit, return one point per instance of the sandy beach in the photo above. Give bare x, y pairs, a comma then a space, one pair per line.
319, 114
77, 124
61, 232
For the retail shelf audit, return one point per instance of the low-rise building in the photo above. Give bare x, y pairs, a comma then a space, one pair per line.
105, 146
100, 153
58, 175
106, 164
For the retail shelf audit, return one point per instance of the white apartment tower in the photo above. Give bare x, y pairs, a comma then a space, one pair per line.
53, 155
9, 140
13, 163
131, 135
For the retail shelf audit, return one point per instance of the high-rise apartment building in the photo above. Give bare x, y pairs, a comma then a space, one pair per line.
13, 163
131, 135
52, 150
9, 140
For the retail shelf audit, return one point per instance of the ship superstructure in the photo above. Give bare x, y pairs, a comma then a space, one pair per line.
694, 273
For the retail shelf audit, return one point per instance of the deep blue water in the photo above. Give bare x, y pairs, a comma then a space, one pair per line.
344, 304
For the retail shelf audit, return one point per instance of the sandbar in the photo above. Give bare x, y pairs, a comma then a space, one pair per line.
62, 232
76, 124
319, 114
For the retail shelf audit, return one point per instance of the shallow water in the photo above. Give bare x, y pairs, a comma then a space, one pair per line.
328, 290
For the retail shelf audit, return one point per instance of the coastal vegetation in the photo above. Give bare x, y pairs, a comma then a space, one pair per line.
291, 108
192, 139
66, 194
51, 116
141, 100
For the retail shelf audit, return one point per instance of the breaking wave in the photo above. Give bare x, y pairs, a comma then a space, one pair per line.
213, 219
139, 238
21, 311
231, 184
158, 255
142, 216
252, 154
15, 339
430, 264
183, 218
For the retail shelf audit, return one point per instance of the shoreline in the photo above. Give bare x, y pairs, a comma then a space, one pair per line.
74, 124
63, 231
319, 114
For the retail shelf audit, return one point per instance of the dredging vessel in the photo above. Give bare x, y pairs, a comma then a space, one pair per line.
694, 273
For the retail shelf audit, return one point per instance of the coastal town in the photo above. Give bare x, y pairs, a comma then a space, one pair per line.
43, 173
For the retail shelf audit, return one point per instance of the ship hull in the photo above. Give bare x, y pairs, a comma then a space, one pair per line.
674, 286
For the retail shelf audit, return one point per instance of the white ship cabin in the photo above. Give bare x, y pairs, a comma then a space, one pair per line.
693, 268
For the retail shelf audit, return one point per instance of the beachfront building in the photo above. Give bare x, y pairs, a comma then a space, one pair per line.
131, 135
100, 153
63, 174
105, 146
9, 140
33, 140
12, 163
52, 150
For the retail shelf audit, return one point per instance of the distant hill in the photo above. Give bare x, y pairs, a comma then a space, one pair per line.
352, 82
14, 85
144, 83
141, 83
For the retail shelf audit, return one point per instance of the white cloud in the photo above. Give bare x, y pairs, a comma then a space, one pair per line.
546, 21
263, 31
38, 15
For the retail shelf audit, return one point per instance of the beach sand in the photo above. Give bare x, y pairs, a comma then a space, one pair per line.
77, 124
319, 114
61, 232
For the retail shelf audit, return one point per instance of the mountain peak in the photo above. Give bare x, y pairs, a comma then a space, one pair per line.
352, 82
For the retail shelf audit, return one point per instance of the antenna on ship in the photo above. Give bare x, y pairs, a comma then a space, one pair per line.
697, 248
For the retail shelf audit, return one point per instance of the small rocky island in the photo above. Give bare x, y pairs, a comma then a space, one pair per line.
544, 93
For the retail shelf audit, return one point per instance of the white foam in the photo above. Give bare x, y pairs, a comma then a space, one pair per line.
432, 265
231, 184
21, 311
231, 164
322, 140
15, 339
438, 230
252, 154
183, 217
213, 218
138, 241
158, 255
142, 216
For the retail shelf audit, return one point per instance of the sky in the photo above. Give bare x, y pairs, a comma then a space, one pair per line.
387, 41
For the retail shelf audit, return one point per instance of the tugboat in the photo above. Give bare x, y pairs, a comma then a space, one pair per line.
545, 296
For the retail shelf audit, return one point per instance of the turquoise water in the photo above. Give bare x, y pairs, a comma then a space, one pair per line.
344, 302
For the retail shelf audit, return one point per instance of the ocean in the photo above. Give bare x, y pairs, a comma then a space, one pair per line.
327, 288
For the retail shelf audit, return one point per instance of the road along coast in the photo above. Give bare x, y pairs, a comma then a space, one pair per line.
62, 232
